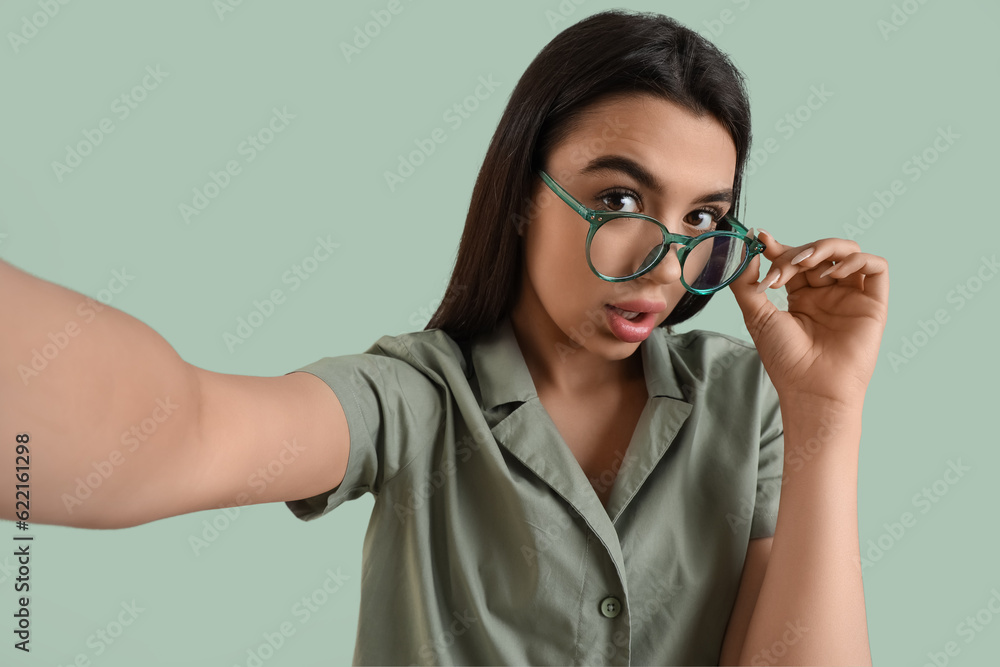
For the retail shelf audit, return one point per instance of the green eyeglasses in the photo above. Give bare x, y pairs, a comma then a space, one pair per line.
622, 246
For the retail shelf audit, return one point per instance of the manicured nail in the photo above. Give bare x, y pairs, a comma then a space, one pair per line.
763, 231
803, 255
768, 280
824, 274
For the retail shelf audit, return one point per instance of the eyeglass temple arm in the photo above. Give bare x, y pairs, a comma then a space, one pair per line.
755, 244
584, 212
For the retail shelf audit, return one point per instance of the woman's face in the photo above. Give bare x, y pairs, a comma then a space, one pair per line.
635, 153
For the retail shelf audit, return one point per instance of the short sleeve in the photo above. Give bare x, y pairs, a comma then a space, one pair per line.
770, 463
391, 409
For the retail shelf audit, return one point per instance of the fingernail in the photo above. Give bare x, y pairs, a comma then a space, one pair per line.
824, 274
763, 231
768, 280
803, 255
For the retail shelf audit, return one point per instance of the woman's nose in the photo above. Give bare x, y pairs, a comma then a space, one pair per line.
669, 269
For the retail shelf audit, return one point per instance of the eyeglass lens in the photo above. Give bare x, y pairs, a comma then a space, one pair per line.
623, 247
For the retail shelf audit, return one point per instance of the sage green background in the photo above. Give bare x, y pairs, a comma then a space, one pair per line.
324, 175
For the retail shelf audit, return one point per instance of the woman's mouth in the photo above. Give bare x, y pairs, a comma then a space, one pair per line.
630, 326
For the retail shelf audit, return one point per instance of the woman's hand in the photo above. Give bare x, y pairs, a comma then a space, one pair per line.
824, 348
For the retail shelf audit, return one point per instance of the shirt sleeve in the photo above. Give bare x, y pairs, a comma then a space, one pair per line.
391, 408
770, 462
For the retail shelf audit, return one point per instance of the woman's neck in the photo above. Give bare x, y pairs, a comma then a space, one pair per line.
560, 365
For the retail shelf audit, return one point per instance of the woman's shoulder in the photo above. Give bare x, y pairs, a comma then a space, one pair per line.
430, 351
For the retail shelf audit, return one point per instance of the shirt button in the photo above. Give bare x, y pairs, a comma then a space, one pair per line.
611, 606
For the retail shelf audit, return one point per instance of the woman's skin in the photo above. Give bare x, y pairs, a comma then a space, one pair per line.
819, 354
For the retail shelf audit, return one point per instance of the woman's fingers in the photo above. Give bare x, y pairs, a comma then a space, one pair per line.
862, 270
824, 262
808, 255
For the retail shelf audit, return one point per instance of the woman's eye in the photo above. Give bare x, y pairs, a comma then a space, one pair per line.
705, 219
616, 201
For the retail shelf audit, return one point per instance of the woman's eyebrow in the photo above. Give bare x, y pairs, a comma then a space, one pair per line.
627, 165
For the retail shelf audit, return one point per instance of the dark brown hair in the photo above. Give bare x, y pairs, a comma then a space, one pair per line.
610, 53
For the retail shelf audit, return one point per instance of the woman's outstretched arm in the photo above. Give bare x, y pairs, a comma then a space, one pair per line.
122, 431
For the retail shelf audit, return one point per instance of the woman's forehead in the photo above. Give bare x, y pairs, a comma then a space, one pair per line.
647, 127
652, 164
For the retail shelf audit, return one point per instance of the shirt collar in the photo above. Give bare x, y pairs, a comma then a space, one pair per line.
504, 377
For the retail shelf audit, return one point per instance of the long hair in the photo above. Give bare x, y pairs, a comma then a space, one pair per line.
612, 52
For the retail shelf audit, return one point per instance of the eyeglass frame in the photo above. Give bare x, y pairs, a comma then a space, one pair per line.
597, 218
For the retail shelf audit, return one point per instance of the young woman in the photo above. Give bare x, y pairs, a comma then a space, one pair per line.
559, 478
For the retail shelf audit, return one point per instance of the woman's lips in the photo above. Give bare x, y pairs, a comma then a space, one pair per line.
641, 306
630, 331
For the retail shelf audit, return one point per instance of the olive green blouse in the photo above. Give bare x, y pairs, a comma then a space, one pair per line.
487, 543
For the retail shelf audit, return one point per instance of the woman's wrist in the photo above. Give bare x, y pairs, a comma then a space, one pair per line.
804, 404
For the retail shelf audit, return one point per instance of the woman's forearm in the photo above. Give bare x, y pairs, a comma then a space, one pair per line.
811, 606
